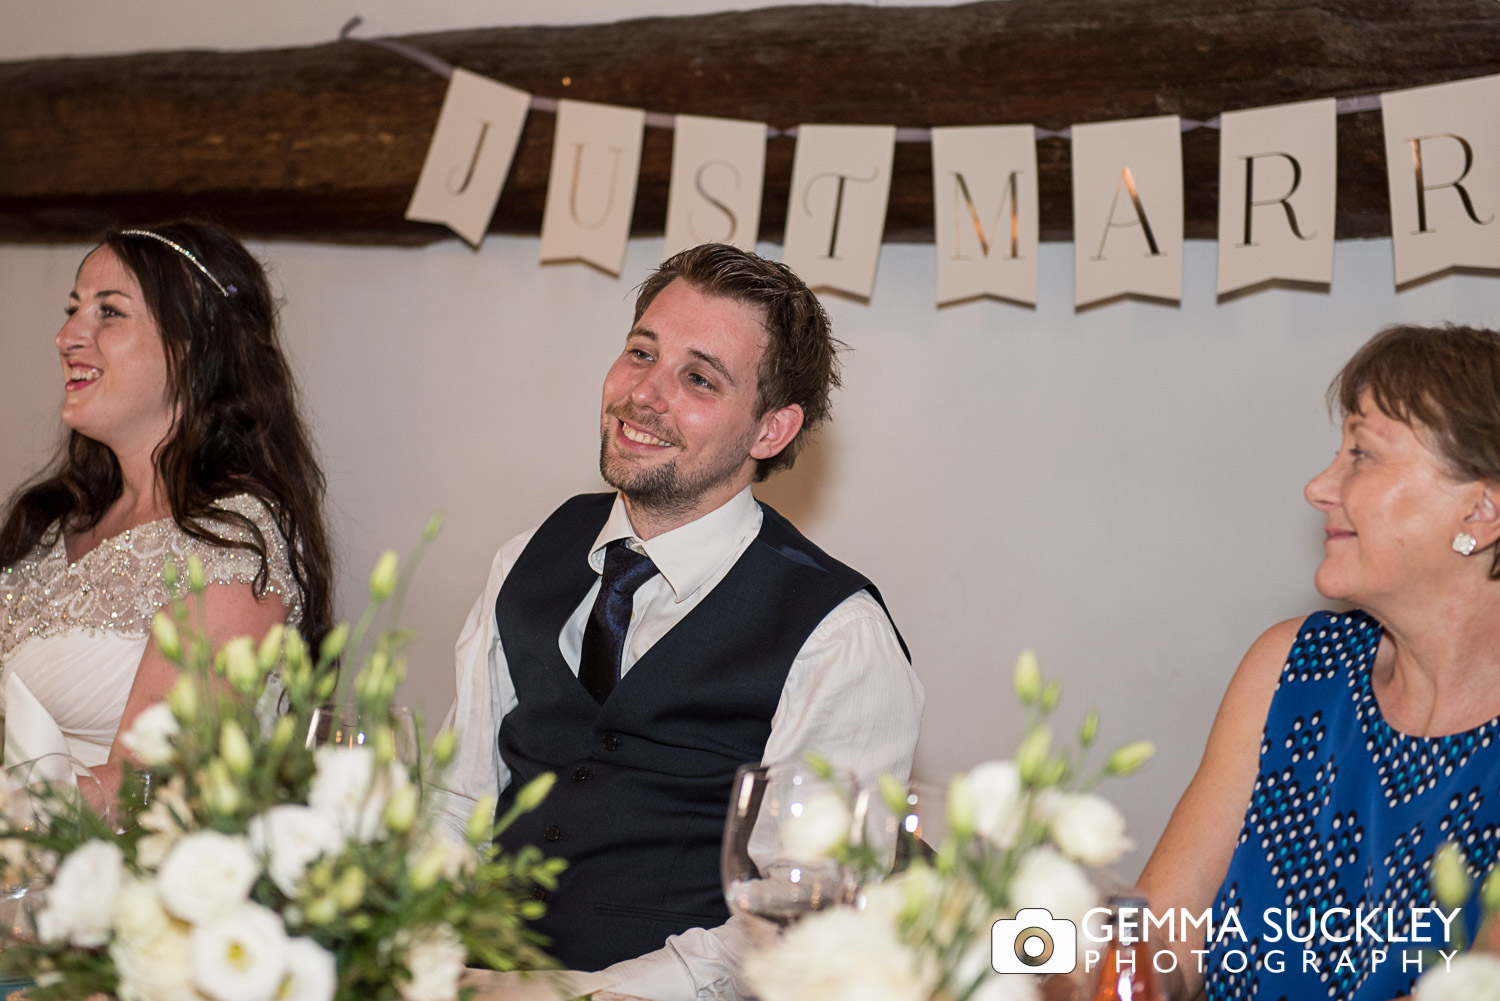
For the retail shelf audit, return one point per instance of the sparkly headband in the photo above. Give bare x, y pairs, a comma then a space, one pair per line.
226, 292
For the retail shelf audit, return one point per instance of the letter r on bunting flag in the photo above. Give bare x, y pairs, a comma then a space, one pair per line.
718, 170
596, 160
1277, 179
1442, 161
1127, 209
984, 198
835, 217
470, 154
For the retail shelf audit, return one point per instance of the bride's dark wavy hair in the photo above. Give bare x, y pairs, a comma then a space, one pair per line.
238, 428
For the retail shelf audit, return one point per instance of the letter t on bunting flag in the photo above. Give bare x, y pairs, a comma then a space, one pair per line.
984, 199
596, 160
718, 170
835, 215
1127, 209
470, 155
1277, 170
1442, 162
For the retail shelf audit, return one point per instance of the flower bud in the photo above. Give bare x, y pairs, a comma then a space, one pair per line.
1490, 894
401, 809
321, 911
893, 794
428, 869
1129, 758
960, 806
1031, 756
235, 749
221, 792
481, 821
385, 744
169, 575
434, 526
1450, 878
167, 640
325, 686
444, 747
183, 698
241, 665
1051, 694
530, 797
197, 580
1089, 731
350, 889
270, 648
296, 649
383, 577
1028, 677
283, 733
333, 643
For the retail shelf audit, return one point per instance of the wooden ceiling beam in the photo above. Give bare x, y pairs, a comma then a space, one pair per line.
325, 143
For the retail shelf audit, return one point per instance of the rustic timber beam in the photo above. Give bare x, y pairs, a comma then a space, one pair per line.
325, 142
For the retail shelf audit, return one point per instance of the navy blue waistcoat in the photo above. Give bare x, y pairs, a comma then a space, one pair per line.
643, 780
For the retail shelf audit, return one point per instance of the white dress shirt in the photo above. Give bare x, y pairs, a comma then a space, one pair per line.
850, 695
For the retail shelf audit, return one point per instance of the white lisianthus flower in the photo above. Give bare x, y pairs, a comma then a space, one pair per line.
290, 838
159, 969
1045, 879
993, 986
82, 895
205, 875
1088, 828
311, 973
995, 787
240, 955
839, 955
352, 789
817, 826
434, 962
1473, 976
138, 916
150, 736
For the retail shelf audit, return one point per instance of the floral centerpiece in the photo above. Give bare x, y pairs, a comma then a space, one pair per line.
1472, 975
1020, 834
241, 863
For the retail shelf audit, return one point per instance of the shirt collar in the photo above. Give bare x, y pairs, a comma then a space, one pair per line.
688, 556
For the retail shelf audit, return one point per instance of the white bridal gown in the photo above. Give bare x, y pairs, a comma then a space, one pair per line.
73, 635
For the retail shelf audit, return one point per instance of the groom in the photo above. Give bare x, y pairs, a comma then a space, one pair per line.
643, 644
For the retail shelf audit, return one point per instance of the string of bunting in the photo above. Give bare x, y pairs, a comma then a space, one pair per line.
1277, 171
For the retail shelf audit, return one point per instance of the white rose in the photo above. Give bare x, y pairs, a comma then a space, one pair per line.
352, 789
138, 915
1474, 976
150, 736
156, 970
817, 826
82, 895
434, 963
311, 973
839, 955
995, 787
1088, 828
206, 874
1046, 879
290, 838
240, 955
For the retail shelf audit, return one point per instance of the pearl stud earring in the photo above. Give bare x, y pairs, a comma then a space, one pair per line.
1464, 543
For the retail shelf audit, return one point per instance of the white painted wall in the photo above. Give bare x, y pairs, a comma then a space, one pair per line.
1119, 489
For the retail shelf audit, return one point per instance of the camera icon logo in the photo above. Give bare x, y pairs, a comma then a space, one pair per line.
1033, 942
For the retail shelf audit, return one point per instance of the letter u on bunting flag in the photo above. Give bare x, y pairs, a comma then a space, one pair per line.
984, 199
1127, 209
470, 154
1277, 174
596, 160
1442, 159
718, 169
835, 217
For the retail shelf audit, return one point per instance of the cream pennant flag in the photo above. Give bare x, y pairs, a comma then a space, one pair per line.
984, 197
718, 170
596, 160
1277, 173
1442, 161
841, 181
1127, 209
470, 155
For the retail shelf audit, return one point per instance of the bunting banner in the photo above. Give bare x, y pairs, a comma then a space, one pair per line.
1127, 209
1277, 186
841, 181
1442, 157
470, 154
596, 160
985, 212
718, 170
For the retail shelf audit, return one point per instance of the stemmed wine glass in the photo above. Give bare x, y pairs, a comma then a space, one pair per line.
784, 820
903, 825
342, 726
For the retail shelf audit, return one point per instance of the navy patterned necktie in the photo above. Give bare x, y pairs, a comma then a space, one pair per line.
625, 570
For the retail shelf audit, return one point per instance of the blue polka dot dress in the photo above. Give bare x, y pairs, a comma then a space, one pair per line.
1342, 824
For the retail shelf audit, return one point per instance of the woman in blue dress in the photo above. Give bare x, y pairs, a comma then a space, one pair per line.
1351, 745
